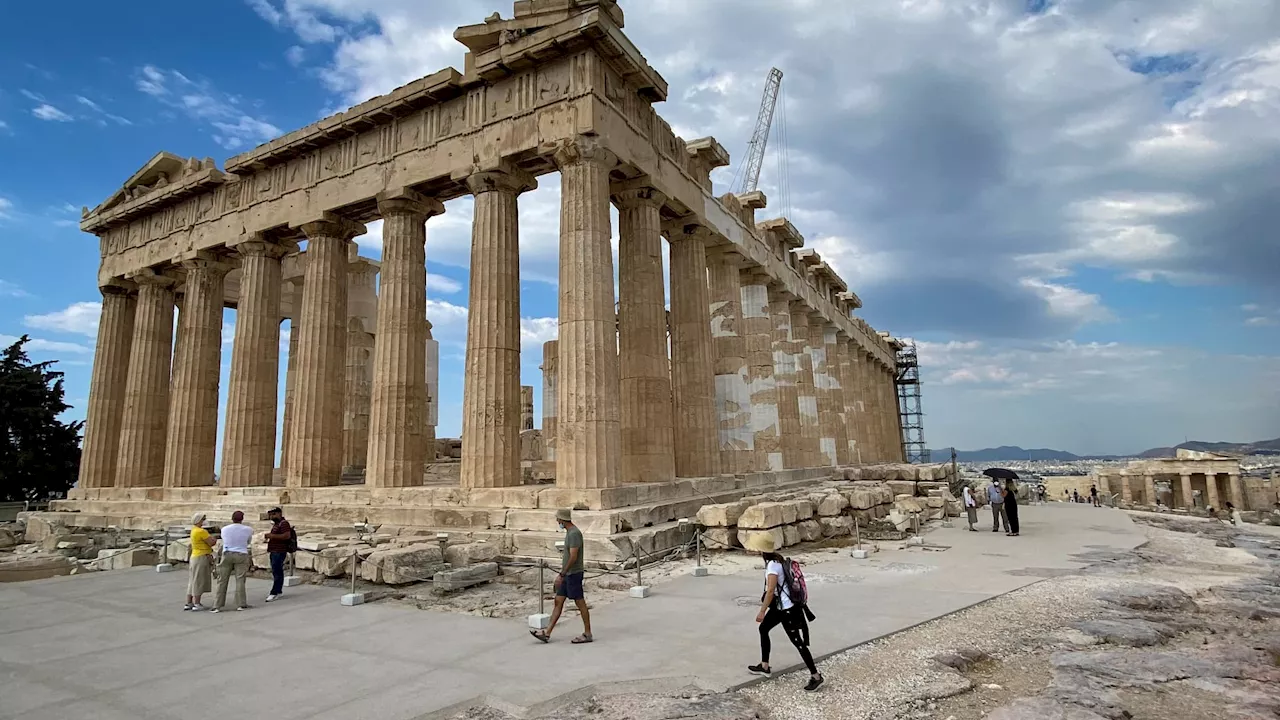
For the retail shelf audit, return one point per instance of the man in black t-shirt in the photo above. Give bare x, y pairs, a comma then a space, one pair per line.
279, 543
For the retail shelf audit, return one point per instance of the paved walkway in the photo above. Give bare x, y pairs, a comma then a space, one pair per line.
115, 645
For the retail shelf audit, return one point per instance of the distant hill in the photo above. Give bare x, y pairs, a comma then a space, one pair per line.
1013, 452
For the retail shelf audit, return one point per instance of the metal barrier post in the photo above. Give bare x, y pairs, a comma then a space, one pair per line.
640, 590
541, 620
857, 552
354, 598
164, 565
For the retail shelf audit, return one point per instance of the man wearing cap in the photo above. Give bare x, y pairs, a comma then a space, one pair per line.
278, 547
569, 581
235, 560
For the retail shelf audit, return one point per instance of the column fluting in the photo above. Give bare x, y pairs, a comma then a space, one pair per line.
140, 461
692, 367
107, 388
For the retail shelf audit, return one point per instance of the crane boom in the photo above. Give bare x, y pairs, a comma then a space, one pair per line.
760, 138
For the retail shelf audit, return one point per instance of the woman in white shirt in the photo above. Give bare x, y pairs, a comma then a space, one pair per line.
776, 608
970, 507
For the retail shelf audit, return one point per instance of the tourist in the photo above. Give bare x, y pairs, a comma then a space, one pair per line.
235, 560
1066, 496
279, 543
201, 564
970, 508
1093, 496
569, 582
1075, 496
776, 608
1236, 518
1011, 508
996, 495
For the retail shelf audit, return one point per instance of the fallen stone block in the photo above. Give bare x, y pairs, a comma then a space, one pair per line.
790, 535
863, 498
747, 536
7, 538
449, 580
38, 529
121, 559
720, 538
471, 553
810, 530
838, 526
767, 515
721, 514
902, 487
804, 510
906, 504
1149, 597
832, 505
65, 542
934, 502
316, 544
402, 565
179, 550
334, 562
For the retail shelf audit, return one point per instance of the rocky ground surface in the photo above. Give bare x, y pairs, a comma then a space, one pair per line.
1185, 628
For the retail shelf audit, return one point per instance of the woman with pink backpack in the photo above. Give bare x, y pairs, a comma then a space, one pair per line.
785, 603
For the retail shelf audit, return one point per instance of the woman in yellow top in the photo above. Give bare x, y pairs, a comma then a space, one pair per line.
201, 563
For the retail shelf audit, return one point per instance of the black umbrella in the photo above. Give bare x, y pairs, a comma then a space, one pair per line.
1000, 474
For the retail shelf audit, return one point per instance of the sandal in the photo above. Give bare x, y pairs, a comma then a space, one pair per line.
581, 639
540, 635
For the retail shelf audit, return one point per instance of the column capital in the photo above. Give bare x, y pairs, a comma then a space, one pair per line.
756, 275
687, 229
152, 278
579, 150
639, 192
213, 266
332, 225
407, 202
503, 178
261, 248
118, 286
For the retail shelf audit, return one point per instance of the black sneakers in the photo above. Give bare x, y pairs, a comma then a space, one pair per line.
760, 670
814, 682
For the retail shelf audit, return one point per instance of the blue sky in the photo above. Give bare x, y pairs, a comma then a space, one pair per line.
1070, 204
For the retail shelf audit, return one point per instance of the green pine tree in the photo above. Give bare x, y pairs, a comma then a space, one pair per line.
39, 454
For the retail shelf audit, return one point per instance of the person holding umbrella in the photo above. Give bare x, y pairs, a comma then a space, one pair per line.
1011, 508
996, 494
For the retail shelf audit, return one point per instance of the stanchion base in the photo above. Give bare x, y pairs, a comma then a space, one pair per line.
352, 599
640, 591
164, 567
859, 554
292, 581
539, 621
700, 572
915, 540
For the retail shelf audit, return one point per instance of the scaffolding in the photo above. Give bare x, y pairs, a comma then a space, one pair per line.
910, 413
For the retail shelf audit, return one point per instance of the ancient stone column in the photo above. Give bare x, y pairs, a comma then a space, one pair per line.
1211, 491
874, 451
294, 291
588, 439
432, 412
197, 362
107, 388
140, 461
757, 331
1188, 496
1236, 488
894, 417
692, 366
315, 452
806, 393
1126, 489
1149, 488
397, 451
491, 404
733, 395
845, 447
357, 400
549, 399
785, 373
526, 407
648, 436
854, 396
249, 434
826, 385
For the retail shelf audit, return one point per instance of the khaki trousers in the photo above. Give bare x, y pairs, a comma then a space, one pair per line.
237, 563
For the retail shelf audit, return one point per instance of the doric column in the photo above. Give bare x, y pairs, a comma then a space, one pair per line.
893, 419
140, 461
846, 451
692, 366
550, 355
107, 388
1188, 497
806, 393
396, 451
357, 395
589, 440
432, 401
854, 390
757, 332
735, 435
315, 452
826, 385
874, 452
1126, 489
784, 375
491, 396
197, 363
648, 436
1211, 491
293, 290
1237, 491
1149, 488
249, 434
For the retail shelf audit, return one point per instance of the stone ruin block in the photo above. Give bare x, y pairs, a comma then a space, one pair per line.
402, 565
934, 502
450, 580
832, 505
906, 505
861, 498
902, 487
8, 538
837, 526
721, 515
790, 535
471, 553
767, 515
38, 529
121, 559
720, 538
804, 509
775, 537
810, 530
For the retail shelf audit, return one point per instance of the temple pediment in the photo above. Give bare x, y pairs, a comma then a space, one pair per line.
164, 171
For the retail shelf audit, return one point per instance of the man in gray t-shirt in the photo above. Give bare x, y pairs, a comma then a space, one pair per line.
996, 495
569, 581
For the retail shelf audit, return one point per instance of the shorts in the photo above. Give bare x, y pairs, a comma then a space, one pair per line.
571, 587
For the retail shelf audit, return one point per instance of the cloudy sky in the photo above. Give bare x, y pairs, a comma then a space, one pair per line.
1070, 204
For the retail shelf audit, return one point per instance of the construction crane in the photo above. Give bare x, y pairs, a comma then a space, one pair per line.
760, 138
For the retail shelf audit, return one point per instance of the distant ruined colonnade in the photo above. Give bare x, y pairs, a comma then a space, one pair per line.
768, 368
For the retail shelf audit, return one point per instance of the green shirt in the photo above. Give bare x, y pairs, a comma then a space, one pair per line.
572, 539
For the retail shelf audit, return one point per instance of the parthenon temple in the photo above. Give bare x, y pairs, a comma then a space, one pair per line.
760, 375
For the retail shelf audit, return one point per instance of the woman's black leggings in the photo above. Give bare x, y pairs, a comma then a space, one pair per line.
797, 629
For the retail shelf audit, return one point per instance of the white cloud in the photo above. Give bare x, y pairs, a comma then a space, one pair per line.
4, 126
47, 346
80, 318
295, 55
536, 331
235, 128
1068, 303
8, 289
1249, 307
1262, 321
101, 112
49, 112
6, 205
442, 284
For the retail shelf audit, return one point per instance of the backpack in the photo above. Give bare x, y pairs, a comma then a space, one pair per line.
793, 576
293, 540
